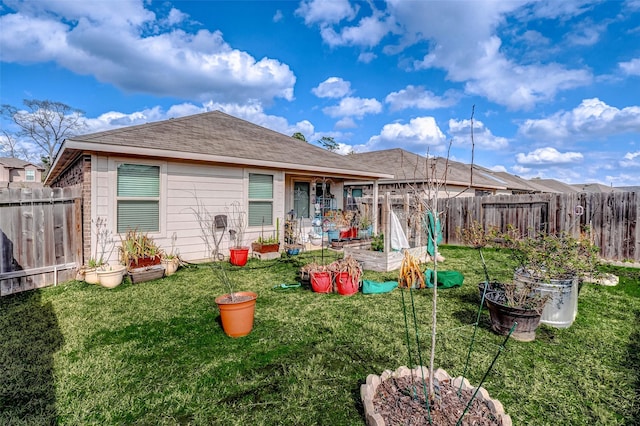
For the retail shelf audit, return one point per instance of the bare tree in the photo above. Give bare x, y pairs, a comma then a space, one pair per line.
9, 146
46, 123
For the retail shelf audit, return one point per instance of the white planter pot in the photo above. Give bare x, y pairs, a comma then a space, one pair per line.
170, 266
91, 276
111, 277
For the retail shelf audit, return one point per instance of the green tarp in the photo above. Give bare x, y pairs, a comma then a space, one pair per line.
374, 287
446, 279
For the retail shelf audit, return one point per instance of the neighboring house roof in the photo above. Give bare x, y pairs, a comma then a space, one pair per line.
511, 182
552, 186
16, 163
595, 187
409, 167
629, 188
213, 137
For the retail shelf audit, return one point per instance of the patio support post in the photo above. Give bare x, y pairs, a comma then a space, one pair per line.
374, 208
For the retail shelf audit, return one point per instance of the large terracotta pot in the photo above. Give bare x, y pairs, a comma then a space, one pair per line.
237, 317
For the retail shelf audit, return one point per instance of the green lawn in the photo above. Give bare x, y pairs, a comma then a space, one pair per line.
154, 353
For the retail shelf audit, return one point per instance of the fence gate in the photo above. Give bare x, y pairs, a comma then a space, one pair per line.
40, 237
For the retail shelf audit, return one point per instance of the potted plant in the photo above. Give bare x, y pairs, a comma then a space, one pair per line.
171, 261
237, 309
320, 277
511, 303
266, 245
348, 275
141, 256
553, 265
238, 252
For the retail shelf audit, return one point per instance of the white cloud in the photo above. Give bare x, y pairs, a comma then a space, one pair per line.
354, 107
251, 112
332, 87
129, 47
419, 134
592, 118
460, 131
498, 168
631, 160
472, 53
367, 33
366, 57
325, 12
419, 97
346, 123
631, 67
278, 16
547, 156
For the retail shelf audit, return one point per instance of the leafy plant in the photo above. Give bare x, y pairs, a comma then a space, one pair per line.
551, 256
517, 295
137, 245
104, 243
267, 240
377, 242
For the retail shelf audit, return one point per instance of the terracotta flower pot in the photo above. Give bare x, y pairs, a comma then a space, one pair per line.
237, 317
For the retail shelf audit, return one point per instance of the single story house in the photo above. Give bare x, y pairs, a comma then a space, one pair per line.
414, 172
149, 177
19, 173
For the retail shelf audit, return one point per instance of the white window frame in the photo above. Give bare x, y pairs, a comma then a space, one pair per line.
29, 175
261, 200
160, 199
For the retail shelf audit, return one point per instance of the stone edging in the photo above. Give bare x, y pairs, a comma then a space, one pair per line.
368, 391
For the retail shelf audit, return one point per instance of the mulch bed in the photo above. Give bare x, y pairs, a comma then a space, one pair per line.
394, 400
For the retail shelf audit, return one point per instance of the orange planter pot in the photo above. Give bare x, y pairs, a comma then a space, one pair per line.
346, 284
237, 317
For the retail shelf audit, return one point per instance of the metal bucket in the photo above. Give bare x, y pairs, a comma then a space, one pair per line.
562, 307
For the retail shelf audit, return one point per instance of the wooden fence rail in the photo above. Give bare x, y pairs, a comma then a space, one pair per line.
40, 237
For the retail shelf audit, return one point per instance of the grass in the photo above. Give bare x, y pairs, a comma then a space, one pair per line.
154, 353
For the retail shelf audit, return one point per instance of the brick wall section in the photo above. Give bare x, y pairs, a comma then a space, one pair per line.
80, 174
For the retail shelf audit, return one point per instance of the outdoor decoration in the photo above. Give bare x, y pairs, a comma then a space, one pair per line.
238, 252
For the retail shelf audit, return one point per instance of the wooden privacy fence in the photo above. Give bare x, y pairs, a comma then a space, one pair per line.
612, 218
40, 237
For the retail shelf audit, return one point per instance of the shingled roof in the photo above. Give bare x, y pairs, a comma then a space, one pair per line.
409, 167
16, 163
214, 137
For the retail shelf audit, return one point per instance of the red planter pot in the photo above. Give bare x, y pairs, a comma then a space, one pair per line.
321, 282
238, 256
346, 284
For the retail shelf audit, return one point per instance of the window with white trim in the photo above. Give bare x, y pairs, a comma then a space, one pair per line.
30, 175
260, 199
138, 198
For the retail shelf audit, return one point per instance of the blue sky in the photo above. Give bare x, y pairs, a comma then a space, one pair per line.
555, 84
